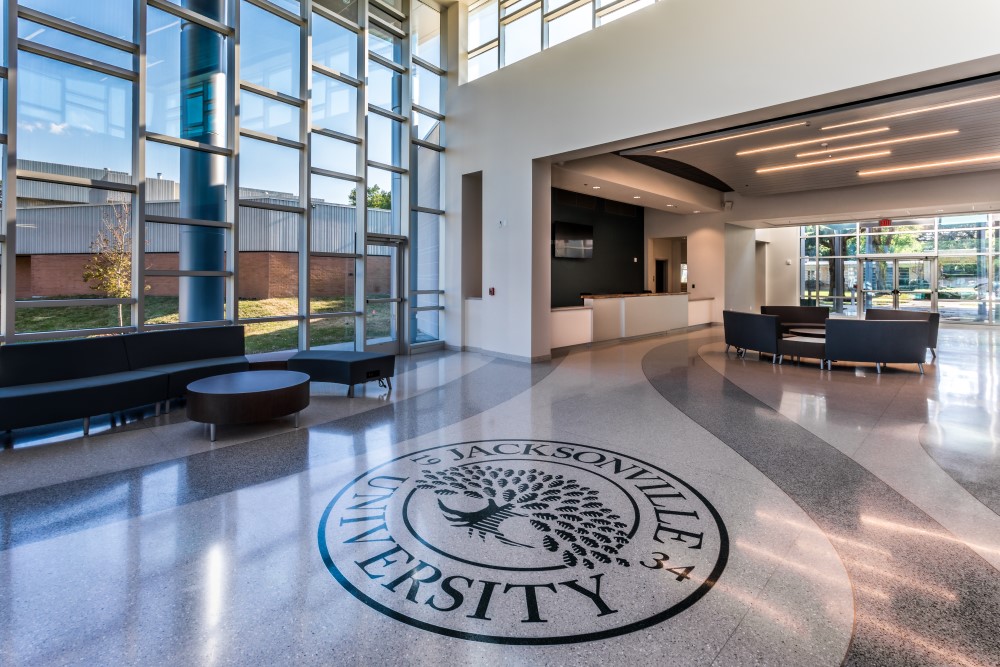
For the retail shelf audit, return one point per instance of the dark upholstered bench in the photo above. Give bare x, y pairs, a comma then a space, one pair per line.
346, 367
803, 346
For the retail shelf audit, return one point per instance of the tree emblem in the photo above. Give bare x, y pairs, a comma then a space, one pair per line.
568, 516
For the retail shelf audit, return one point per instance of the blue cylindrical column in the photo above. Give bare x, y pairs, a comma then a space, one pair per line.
203, 175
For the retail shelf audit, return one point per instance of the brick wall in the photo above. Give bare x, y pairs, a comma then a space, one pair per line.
262, 275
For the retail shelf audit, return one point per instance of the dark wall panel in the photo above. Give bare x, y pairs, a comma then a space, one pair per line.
618, 238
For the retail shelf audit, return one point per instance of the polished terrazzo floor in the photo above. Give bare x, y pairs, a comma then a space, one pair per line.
655, 502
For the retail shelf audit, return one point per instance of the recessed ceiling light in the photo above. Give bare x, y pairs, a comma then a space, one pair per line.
900, 114
671, 205
816, 163
696, 211
813, 141
887, 142
597, 187
732, 136
932, 165
636, 197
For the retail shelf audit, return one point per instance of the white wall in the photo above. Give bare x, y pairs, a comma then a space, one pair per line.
692, 64
705, 247
782, 265
741, 267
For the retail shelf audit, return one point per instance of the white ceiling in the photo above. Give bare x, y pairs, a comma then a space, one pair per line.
973, 127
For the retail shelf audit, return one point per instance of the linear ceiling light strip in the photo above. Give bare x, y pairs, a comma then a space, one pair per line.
887, 142
911, 112
817, 140
817, 163
732, 136
932, 165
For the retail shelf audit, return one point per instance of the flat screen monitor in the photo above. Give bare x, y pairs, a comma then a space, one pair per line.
572, 241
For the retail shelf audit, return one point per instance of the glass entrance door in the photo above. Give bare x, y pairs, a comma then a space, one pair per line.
382, 300
900, 283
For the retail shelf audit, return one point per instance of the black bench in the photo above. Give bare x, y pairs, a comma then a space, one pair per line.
750, 331
345, 367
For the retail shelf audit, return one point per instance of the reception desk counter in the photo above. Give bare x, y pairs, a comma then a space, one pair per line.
628, 315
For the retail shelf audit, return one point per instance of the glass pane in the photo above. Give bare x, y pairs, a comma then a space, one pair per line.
522, 38
397, 4
556, 4
385, 87
846, 228
333, 191
271, 336
384, 140
185, 183
965, 221
269, 116
335, 105
348, 9
426, 24
482, 26
838, 285
426, 251
383, 201
380, 283
880, 244
334, 155
838, 246
974, 240
112, 17
73, 242
915, 284
384, 43
428, 178
426, 89
425, 326
427, 128
624, 11
516, 7
963, 288
335, 46
202, 116
40, 34
162, 301
809, 246
268, 262
483, 64
269, 171
331, 284
269, 50
73, 120
69, 318
332, 333
223, 7
571, 24
290, 5
333, 228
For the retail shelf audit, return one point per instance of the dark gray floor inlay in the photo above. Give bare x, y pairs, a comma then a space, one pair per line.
523, 541
961, 442
920, 596
43, 513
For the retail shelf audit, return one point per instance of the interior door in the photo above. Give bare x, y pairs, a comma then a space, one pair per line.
382, 300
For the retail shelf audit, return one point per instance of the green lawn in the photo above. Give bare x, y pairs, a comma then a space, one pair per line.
260, 336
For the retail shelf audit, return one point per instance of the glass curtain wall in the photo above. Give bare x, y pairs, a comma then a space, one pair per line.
501, 32
950, 264
163, 181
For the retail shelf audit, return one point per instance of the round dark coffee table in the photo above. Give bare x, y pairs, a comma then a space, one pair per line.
247, 397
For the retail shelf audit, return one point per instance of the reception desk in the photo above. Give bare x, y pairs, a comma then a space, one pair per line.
628, 315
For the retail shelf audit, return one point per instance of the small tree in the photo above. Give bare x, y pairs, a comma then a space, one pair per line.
110, 269
376, 198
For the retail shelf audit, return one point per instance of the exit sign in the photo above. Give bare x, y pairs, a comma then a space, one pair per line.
885, 222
